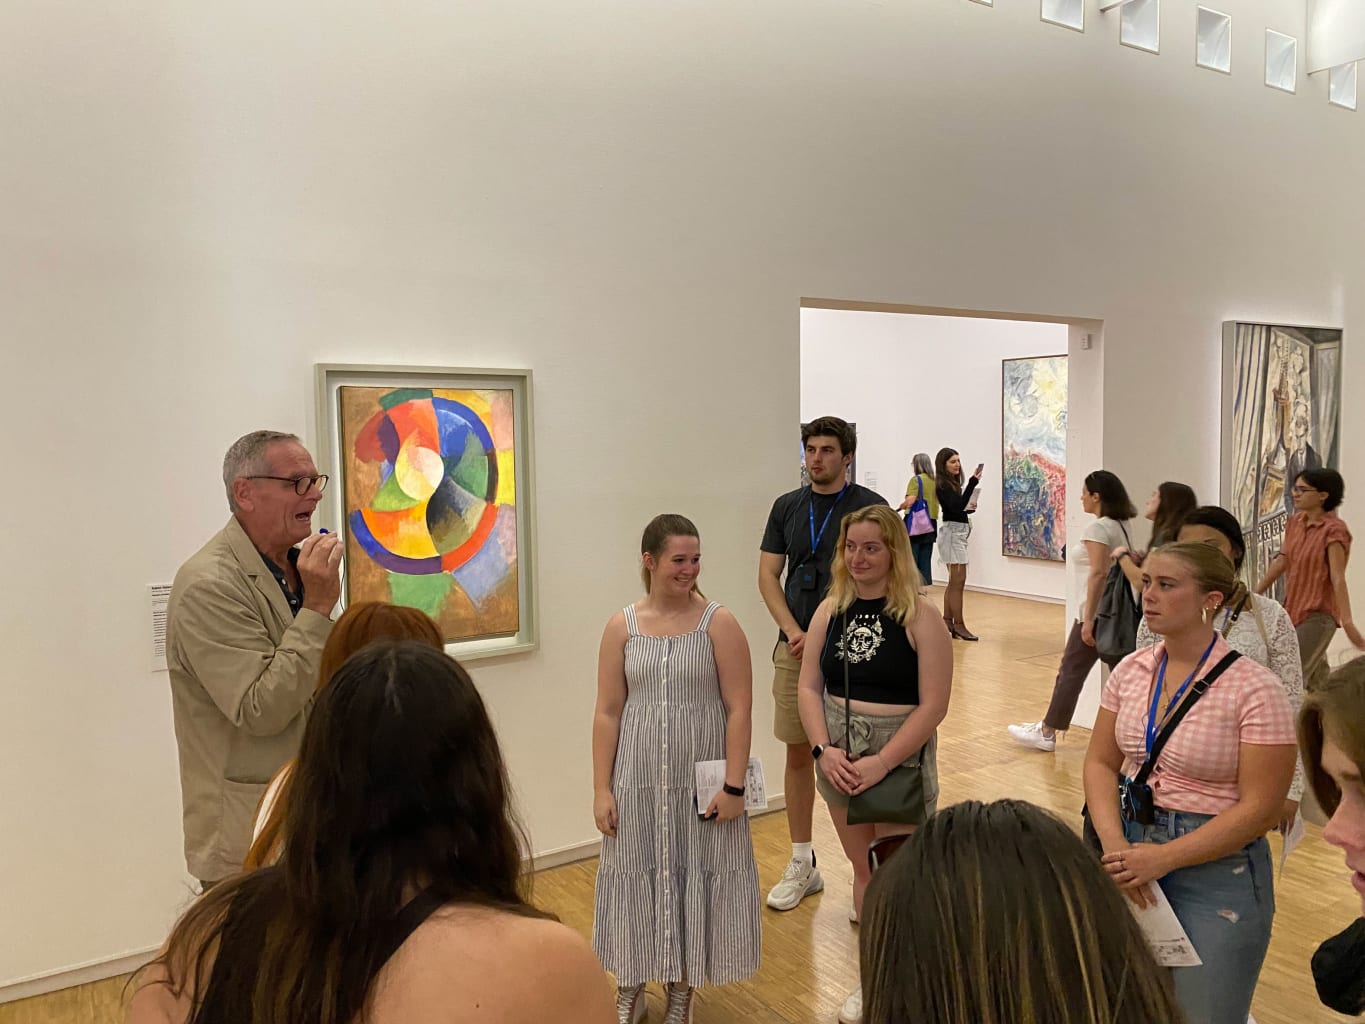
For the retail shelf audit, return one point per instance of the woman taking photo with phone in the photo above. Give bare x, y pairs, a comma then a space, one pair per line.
1203, 740
954, 502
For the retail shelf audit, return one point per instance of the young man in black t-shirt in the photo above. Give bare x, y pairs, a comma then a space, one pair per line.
802, 530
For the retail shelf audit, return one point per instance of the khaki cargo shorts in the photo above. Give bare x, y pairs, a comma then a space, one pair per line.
787, 725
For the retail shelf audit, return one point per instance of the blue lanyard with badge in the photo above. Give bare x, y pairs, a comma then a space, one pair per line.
807, 576
1135, 796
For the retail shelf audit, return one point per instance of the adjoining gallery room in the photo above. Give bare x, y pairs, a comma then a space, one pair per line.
480, 336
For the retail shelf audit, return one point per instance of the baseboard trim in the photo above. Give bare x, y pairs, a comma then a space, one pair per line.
99, 970
82, 974
1040, 598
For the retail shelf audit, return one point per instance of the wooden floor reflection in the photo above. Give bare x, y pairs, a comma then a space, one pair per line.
810, 954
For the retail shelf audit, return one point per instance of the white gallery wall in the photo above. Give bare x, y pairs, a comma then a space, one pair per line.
199, 202
917, 383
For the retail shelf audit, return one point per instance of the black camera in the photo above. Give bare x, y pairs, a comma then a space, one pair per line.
1136, 802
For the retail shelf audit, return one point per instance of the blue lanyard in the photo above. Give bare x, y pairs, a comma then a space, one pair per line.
815, 537
1175, 701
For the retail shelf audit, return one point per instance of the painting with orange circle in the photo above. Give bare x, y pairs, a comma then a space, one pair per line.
430, 504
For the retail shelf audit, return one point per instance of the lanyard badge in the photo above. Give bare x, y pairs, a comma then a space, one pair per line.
1175, 701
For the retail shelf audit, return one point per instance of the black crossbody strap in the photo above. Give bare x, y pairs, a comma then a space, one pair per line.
1198, 691
848, 704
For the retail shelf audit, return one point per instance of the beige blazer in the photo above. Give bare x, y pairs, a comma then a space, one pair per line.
243, 671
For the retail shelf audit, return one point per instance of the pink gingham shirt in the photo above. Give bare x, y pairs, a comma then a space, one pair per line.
1197, 769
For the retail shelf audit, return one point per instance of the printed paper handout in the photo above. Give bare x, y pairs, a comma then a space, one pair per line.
711, 776
1165, 934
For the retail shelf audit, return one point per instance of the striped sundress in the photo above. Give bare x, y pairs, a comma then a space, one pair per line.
676, 896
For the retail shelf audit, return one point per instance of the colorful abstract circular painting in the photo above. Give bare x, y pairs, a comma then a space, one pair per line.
431, 504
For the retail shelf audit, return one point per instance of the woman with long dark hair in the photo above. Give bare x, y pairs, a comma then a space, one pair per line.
998, 912
361, 624
954, 502
1103, 496
400, 890
1167, 508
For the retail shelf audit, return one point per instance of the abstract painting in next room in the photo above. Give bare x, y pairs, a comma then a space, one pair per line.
1033, 431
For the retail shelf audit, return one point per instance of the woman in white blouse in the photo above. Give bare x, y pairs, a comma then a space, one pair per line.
1254, 626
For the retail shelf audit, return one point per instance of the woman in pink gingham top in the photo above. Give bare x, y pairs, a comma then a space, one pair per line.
1218, 785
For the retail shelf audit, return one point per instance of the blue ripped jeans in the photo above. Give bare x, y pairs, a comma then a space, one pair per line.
1226, 906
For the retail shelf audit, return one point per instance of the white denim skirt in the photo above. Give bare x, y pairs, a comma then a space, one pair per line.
952, 542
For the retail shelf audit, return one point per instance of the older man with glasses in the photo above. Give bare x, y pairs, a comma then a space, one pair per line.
249, 614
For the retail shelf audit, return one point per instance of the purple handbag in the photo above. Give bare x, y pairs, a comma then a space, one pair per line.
917, 521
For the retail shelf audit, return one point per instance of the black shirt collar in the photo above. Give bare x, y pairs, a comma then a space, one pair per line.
294, 600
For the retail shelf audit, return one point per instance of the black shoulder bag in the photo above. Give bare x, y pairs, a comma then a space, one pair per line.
1135, 796
1116, 619
898, 798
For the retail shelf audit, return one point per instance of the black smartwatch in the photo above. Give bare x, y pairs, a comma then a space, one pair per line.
733, 790
817, 750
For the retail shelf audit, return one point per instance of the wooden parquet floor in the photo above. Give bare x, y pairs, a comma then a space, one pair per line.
810, 953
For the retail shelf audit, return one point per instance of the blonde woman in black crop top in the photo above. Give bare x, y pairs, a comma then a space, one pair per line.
897, 656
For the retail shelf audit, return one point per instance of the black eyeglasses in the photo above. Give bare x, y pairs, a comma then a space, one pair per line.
302, 484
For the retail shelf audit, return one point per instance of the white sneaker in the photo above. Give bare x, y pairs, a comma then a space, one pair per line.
1032, 735
798, 881
852, 1010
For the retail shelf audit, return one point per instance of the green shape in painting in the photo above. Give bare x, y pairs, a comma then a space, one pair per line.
425, 593
471, 472
391, 497
400, 395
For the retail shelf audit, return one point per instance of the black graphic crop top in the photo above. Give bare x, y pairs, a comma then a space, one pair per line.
882, 666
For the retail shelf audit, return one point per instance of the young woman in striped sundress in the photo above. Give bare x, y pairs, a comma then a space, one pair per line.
677, 894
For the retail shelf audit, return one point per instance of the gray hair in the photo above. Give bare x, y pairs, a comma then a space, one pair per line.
246, 457
924, 464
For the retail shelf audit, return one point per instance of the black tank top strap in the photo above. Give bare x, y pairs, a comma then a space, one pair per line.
409, 919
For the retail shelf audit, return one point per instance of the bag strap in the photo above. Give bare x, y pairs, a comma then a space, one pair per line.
919, 486
1199, 687
1260, 622
848, 704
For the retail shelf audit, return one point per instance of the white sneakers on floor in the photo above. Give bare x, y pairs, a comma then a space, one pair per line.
852, 1010
1032, 735
801, 879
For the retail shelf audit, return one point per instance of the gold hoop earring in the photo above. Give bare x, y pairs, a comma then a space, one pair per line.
1204, 615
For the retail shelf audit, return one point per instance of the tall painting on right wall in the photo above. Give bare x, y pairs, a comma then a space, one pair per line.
1281, 415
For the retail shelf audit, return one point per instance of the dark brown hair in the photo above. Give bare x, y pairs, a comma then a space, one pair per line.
400, 785
360, 624
831, 426
956, 931
1114, 500
1329, 482
942, 481
1175, 501
1336, 711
